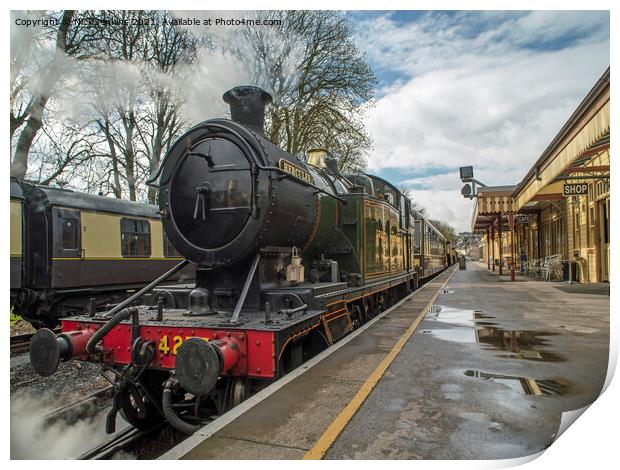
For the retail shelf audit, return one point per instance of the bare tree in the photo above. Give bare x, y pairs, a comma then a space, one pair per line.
445, 228
67, 151
128, 87
414, 204
136, 96
168, 46
319, 79
27, 111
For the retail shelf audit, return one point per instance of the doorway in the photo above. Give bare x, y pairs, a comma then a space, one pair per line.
603, 236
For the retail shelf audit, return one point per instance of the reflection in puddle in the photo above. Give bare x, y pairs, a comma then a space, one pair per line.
478, 315
459, 335
435, 308
473, 326
519, 343
525, 385
453, 316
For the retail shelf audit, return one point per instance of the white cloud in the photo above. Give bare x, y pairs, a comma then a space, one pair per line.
448, 206
489, 89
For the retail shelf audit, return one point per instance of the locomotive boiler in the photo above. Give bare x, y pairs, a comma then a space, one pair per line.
290, 256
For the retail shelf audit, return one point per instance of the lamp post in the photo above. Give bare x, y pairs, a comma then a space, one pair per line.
469, 191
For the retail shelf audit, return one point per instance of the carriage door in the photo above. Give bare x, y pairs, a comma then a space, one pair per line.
67, 258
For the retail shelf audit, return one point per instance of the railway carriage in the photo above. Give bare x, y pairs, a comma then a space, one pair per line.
430, 248
16, 235
71, 250
290, 256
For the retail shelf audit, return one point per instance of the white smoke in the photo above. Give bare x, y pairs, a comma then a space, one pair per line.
33, 438
233, 52
205, 82
85, 93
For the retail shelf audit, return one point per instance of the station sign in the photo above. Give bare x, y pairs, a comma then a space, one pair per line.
523, 219
575, 189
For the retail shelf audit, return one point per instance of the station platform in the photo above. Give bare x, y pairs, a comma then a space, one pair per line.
485, 373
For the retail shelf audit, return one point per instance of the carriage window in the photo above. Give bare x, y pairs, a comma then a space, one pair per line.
70, 233
135, 238
417, 234
169, 251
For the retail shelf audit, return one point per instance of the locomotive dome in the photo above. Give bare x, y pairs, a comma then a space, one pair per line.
216, 195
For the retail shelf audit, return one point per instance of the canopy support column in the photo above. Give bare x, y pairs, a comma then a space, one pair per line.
499, 240
488, 250
511, 227
493, 248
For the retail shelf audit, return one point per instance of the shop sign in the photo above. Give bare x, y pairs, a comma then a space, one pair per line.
575, 189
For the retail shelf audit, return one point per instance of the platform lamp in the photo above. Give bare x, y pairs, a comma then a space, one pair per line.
467, 177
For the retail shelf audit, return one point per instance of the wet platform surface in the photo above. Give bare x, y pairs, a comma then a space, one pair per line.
486, 375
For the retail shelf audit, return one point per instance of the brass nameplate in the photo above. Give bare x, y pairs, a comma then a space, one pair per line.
295, 171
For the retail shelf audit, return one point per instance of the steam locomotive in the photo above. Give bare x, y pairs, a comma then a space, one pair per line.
290, 256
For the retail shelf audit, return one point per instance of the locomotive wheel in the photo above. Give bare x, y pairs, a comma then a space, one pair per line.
240, 389
137, 409
237, 391
380, 302
357, 316
368, 313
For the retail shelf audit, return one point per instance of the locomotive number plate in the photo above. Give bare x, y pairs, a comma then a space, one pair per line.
167, 346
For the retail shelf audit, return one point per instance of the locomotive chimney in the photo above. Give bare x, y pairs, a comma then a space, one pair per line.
247, 106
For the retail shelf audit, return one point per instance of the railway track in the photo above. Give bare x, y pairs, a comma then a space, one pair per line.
128, 437
84, 408
132, 443
21, 343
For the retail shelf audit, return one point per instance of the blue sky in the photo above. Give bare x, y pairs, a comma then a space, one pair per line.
486, 88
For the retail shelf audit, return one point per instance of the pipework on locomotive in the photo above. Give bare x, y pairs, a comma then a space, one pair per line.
290, 256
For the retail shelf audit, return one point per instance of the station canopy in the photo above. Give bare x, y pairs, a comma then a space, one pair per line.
573, 156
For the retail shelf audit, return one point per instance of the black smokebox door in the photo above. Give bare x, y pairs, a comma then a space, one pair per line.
210, 194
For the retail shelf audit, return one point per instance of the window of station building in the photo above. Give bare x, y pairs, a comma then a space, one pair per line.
557, 241
169, 250
602, 188
70, 233
546, 235
135, 238
591, 226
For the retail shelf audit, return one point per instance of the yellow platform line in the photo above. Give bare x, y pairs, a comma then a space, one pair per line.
337, 426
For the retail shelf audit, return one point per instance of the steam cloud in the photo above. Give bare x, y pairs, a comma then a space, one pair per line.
32, 438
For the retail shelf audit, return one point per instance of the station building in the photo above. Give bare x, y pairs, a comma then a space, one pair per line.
559, 211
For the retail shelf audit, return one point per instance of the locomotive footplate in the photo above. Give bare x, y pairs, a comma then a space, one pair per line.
260, 340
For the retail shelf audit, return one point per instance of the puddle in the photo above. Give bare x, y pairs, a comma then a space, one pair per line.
578, 329
458, 335
521, 344
526, 385
453, 316
473, 326
478, 315
435, 308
